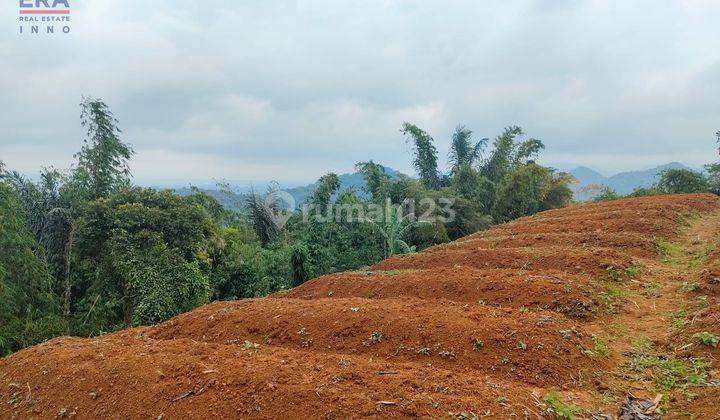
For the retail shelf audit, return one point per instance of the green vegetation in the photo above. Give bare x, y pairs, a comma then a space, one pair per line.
560, 409
600, 349
85, 252
642, 344
653, 289
478, 344
707, 339
673, 181
678, 320
691, 286
610, 296
669, 252
29, 312
669, 372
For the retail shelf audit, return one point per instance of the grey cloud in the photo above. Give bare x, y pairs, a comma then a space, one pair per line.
288, 90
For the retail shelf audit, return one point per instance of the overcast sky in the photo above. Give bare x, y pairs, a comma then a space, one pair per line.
258, 90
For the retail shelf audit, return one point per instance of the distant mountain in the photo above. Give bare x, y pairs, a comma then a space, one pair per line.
228, 199
354, 181
623, 182
588, 176
235, 200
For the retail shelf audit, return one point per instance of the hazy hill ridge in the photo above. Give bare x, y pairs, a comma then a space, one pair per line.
623, 182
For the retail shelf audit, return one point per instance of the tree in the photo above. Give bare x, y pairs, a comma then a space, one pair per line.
144, 255
28, 308
713, 177
677, 181
393, 227
462, 151
558, 193
508, 154
425, 158
299, 263
103, 160
470, 185
38, 199
157, 282
606, 194
377, 182
528, 189
262, 217
644, 191
58, 239
327, 186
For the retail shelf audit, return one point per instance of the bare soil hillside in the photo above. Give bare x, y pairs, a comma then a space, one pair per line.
562, 314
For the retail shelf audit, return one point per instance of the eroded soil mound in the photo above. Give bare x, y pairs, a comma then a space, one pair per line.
527, 319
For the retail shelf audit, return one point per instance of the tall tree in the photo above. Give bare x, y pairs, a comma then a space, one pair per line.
462, 150
28, 308
58, 239
327, 185
145, 253
509, 154
299, 264
377, 182
425, 158
531, 188
103, 160
262, 217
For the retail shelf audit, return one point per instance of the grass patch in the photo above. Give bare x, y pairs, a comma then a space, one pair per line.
560, 409
691, 286
618, 274
634, 270
642, 344
678, 320
670, 252
610, 296
600, 349
653, 289
374, 338
670, 373
250, 346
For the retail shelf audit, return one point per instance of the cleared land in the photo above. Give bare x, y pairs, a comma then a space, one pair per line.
567, 311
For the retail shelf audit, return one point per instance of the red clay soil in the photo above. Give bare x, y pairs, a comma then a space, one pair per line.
678, 203
635, 224
591, 262
519, 346
125, 376
486, 327
634, 244
548, 289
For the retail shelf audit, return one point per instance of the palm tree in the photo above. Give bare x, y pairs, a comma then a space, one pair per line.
393, 227
462, 151
263, 218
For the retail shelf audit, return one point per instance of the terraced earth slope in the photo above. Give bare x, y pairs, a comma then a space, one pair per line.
562, 314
